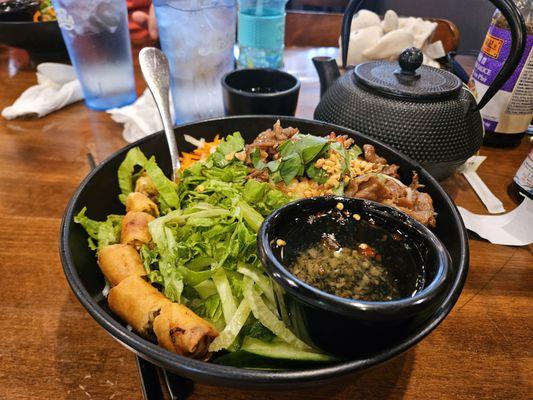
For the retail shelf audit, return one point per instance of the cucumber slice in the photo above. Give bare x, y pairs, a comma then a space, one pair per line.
281, 350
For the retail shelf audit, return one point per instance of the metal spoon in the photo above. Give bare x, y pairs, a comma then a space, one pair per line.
154, 67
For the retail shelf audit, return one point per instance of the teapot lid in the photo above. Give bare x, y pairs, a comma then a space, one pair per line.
412, 81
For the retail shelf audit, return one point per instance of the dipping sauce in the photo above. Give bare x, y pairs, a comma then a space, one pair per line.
354, 273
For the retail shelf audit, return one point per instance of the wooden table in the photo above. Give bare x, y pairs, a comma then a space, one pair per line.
52, 349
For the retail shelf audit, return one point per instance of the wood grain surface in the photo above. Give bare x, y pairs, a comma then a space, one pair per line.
52, 349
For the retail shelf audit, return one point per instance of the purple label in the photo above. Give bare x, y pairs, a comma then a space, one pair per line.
489, 125
494, 52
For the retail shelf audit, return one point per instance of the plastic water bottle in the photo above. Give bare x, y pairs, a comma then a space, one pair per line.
261, 33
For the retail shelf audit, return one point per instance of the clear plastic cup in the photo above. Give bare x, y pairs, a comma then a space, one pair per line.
198, 38
98, 41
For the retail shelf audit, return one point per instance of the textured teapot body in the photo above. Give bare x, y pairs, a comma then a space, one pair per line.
439, 134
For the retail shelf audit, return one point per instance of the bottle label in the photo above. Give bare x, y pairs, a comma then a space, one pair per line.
524, 175
265, 32
511, 109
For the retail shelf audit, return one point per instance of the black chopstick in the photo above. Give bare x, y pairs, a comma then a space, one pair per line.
149, 378
179, 388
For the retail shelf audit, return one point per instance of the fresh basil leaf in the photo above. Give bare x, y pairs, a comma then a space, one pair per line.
255, 157
308, 147
317, 174
273, 165
290, 167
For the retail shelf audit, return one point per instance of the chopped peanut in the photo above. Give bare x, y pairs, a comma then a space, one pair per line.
241, 155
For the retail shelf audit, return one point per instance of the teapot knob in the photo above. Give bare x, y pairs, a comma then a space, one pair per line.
410, 60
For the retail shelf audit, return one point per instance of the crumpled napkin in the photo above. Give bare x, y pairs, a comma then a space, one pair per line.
511, 229
140, 119
57, 87
374, 39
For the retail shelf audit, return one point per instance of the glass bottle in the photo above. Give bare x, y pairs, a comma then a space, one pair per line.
261, 33
507, 116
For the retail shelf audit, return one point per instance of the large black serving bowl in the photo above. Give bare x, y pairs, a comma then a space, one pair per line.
99, 191
42, 40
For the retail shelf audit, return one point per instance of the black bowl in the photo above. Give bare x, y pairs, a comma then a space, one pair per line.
99, 191
18, 10
42, 40
411, 253
260, 91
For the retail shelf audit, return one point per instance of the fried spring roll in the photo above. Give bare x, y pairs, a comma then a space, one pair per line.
119, 261
137, 302
181, 331
135, 229
145, 185
137, 201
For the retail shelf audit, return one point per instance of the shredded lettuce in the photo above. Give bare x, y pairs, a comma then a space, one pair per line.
260, 279
206, 288
261, 311
165, 187
224, 291
233, 327
104, 233
204, 244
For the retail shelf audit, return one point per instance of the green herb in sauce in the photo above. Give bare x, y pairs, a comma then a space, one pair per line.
350, 273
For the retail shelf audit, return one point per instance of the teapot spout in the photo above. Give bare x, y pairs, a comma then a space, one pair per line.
328, 72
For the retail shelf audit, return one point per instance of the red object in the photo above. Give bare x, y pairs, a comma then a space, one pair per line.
137, 31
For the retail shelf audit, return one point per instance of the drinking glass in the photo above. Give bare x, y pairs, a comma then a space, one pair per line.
198, 37
98, 42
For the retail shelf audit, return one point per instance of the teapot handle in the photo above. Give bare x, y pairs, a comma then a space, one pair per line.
518, 43
518, 35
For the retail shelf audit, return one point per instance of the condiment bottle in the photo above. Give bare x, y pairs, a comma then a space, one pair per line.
523, 179
507, 116
261, 33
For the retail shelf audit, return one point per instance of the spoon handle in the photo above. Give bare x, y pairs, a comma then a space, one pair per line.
155, 70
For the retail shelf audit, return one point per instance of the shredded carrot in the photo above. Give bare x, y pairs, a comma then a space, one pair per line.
36, 16
198, 154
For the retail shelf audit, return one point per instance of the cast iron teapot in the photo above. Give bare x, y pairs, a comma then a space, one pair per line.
424, 112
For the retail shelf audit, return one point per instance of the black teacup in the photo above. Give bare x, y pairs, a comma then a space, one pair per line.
260, 91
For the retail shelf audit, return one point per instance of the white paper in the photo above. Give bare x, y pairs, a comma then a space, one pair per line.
57, 87
512, 229
140, 119
491, 202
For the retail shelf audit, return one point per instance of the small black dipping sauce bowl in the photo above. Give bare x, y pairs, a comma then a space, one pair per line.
348, 327
260, 91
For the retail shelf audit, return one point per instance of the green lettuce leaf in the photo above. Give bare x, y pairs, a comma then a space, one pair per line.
105, 233
165, 187
232, 328
134, 158
206, 289
261, 311
226, 297
230, 145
